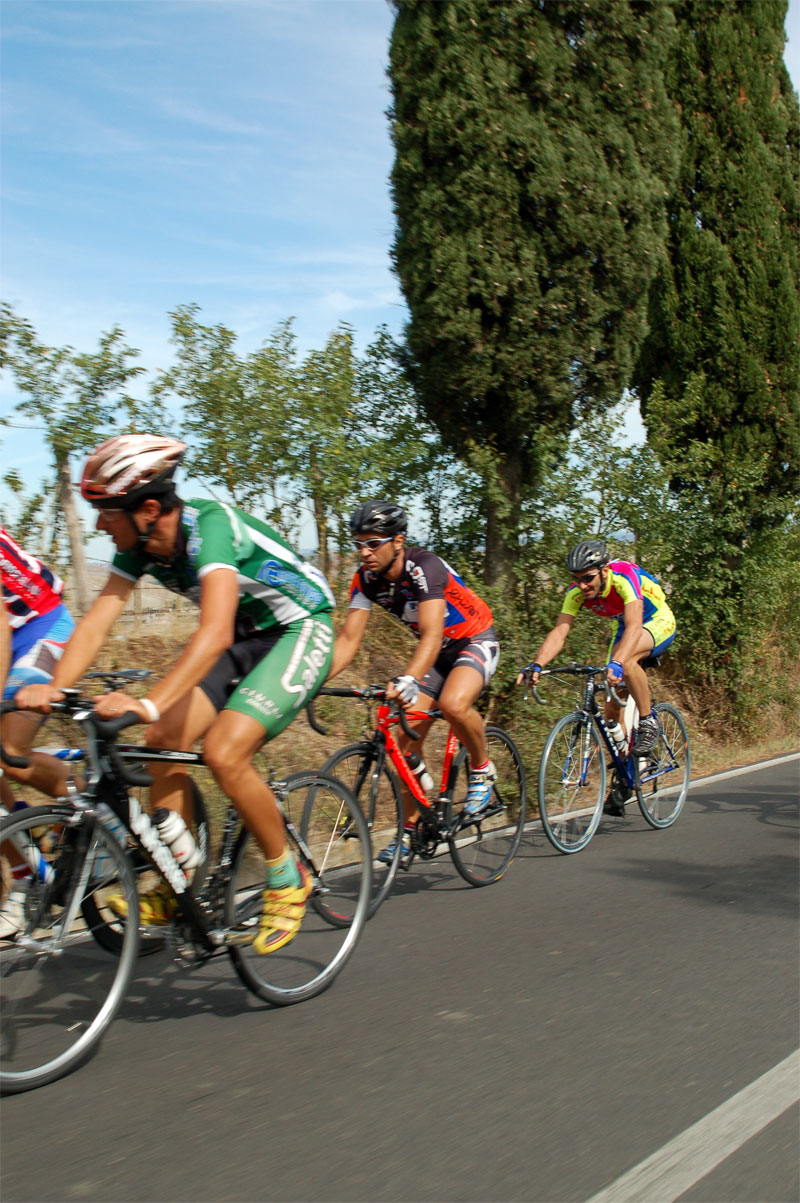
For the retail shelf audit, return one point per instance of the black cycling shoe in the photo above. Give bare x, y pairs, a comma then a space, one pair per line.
615, 802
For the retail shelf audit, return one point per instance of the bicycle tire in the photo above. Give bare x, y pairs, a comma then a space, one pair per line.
59, 989
375, 787
109, 931
483, 849
572, 783
661, 778
315, 809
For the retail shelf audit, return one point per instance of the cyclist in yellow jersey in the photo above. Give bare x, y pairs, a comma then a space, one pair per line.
645, 626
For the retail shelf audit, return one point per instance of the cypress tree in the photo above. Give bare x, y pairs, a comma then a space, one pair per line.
718, 373
534, 149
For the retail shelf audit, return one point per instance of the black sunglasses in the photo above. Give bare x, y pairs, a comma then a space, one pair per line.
587, 576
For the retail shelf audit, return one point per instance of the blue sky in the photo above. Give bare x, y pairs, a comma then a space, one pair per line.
232, 153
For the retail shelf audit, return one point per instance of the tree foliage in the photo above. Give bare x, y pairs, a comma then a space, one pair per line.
76, 400
719, 374
534, 147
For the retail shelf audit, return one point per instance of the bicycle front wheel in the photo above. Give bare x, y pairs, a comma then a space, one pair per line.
661, 777
482, 849
364, 771
59, 989
572, 783
328, 835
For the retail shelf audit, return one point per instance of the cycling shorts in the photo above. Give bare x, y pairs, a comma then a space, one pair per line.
36, 648
661, 627
271, 675
480, 652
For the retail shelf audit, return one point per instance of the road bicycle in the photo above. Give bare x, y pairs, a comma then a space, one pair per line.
67, 970
106, 933
482, 848
572, 770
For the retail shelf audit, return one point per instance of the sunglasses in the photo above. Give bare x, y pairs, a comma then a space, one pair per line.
371, 544
107, 513
587, 576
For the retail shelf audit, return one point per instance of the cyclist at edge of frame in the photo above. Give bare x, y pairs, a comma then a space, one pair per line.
261, 650
457, 649
645, 626
34, 627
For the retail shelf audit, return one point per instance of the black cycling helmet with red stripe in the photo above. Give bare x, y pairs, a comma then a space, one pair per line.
378, 517
588, 555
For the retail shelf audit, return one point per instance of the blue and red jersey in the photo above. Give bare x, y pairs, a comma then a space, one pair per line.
30, 589
425, 577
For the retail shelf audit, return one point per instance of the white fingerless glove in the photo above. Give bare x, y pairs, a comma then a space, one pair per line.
407, 688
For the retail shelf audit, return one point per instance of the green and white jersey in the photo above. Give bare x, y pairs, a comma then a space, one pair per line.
276, 586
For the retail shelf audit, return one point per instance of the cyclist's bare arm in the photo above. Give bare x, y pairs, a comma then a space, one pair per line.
84, 644
348, 641
219, 601
5, 647
430, 621
553, 641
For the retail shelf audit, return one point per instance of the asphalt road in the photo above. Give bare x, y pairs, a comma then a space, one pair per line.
534, 1040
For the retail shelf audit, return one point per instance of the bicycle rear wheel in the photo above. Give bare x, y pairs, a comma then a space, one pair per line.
662, 777
107, 929
572, 783
483, 848
328, 834
366, 774
59, 989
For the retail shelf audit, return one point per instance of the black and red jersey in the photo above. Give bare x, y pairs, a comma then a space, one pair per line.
30, 589
425, 577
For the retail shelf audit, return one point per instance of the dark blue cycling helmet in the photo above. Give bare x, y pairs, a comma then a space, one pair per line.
378, 517
588, 555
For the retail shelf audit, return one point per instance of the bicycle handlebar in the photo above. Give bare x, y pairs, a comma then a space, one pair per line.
103, 731
370, 693
575, 670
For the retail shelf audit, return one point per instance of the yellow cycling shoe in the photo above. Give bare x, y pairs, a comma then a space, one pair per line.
156, 909
282, 915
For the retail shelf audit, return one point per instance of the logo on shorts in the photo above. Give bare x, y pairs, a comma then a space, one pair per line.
307, 662
260, 702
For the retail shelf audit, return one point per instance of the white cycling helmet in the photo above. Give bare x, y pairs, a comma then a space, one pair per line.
126, 470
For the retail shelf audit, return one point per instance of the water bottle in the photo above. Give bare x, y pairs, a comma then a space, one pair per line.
114, 825
103, 863
617, 733
417, 766
177, 835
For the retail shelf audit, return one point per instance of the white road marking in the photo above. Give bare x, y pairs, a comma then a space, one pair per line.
747, 768
668, 1173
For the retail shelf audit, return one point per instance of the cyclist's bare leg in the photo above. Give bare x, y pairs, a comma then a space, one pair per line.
460, 692
44, 773
635, 678
178, 728
228, 749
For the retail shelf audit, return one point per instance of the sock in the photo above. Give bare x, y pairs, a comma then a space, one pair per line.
282, 873
479, 768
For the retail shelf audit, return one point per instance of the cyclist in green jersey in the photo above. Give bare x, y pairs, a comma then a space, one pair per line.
262, 648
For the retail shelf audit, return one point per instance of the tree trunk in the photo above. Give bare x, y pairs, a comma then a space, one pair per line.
321, 522
502, 520
80, 574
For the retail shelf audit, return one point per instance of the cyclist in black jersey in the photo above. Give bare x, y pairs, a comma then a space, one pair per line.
457, 649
